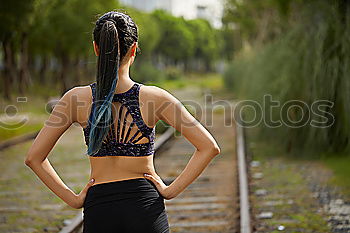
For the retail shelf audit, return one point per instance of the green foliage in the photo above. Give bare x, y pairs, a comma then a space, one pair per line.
50, 41
42, 34
149, 31
74, 31
161, 127
173, 74
206, 46
308, 62
211, 81
178, 40
15, 16
261, 21
146, 72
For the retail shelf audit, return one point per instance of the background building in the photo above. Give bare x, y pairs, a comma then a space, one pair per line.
211, 10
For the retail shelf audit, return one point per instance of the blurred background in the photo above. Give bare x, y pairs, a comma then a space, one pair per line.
233, 49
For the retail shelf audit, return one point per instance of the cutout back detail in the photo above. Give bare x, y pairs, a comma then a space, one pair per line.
128, 135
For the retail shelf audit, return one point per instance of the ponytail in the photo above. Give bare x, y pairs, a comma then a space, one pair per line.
106, 81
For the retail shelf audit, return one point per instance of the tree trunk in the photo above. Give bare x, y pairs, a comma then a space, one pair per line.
13, 63
24, 76
64, 73
9, 69
85, 68
77, 71
43, 69
208, 67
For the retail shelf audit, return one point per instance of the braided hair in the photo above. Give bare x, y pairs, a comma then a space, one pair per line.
114, 34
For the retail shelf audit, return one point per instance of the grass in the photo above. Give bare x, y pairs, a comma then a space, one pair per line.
283, 178
13, 130
338, 163
31, 106
34, 100
211, 81
340, 166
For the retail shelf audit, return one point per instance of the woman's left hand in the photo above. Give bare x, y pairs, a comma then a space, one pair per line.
80, 198
162, 188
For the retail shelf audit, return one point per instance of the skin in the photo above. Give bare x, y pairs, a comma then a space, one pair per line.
155, 104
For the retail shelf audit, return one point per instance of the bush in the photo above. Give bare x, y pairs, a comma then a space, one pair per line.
173, 73
146, 72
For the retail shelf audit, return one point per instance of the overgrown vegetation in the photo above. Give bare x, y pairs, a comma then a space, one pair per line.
296, 51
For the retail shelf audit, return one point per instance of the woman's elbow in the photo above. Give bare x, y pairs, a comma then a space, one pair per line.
216, 150
28, 162
213, 150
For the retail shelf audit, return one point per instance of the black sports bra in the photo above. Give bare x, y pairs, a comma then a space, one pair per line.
122, 140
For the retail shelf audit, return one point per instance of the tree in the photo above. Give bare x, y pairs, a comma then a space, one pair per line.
14, 21
177, 39
206, 42
149, 31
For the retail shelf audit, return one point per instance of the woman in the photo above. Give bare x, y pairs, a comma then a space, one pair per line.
118, 116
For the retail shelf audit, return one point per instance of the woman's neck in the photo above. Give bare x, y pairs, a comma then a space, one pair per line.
124, 80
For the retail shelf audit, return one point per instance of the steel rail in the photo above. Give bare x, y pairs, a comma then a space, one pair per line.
17, 140
245, 217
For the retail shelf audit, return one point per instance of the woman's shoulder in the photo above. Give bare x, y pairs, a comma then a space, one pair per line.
81, 91
157, 94
79, 98
79, 95
154, 91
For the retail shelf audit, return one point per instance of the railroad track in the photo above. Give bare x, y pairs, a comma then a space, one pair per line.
210, 203
17, 140
217, 201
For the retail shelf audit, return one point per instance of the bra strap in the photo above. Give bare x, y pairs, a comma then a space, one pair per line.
93, 89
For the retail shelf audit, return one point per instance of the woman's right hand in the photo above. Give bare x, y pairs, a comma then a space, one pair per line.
80, 198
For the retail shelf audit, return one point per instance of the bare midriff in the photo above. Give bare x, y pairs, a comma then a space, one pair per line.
116, 168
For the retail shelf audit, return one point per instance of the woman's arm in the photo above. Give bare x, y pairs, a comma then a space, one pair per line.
61, 118
176, 115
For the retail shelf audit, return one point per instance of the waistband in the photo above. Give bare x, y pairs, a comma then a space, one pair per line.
128, 183
122, 190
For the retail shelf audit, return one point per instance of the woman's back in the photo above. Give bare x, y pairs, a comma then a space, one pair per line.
127, 151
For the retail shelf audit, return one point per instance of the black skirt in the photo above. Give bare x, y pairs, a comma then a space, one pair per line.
126, 206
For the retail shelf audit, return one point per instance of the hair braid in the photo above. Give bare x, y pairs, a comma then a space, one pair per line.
114, 34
